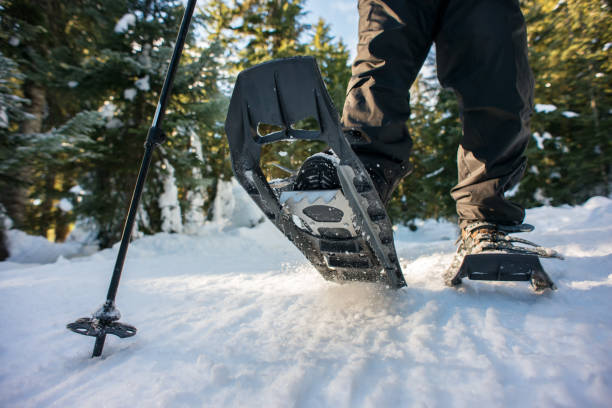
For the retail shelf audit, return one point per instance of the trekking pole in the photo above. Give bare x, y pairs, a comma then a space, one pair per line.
105, 320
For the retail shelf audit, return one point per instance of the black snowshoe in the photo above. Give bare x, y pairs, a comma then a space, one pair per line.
330, 209
487, 252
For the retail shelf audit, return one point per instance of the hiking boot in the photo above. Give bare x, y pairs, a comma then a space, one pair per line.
318, 172
482, 237
386, 174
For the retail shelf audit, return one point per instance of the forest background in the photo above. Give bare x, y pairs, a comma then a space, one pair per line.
79, 82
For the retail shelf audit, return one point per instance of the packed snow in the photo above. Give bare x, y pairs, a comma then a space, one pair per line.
235, 316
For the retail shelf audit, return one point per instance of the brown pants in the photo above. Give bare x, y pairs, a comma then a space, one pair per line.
481, 50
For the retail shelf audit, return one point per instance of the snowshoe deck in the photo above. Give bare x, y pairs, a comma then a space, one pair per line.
346, 234
503, 267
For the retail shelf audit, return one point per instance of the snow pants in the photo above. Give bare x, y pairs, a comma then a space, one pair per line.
481, 51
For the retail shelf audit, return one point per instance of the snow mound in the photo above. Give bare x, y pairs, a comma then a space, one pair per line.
24, 248
233, 207
237, 317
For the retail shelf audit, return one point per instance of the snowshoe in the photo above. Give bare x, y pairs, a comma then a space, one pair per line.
487, 252
335, 217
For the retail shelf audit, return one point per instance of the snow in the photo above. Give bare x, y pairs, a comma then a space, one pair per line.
570, 114
541, 138
125, 22
233, 207
130, 94
4, 121
196, 197
107, 110
169, 203
72, 84
14, 41
545, 108
237, 317
65, 205
77, 190
434, 173
143, 83
24, 248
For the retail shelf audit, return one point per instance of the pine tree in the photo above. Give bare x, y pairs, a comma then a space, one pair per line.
11, 112
569, 158
47, 39
92, 71
130, 71
263, 30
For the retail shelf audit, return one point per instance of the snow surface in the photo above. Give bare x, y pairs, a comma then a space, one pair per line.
237, 317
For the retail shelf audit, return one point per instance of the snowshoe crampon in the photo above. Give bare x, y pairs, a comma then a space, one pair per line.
345, 233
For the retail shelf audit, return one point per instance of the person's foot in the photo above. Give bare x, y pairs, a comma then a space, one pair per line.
386, 174
482, 237
319, 172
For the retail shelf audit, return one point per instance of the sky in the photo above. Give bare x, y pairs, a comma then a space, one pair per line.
340, 15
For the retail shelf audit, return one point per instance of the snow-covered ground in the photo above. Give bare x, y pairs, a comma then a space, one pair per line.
236, 317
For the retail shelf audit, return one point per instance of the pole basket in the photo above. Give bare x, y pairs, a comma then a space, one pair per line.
102, 322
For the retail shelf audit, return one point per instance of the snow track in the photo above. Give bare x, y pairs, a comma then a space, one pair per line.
238, 318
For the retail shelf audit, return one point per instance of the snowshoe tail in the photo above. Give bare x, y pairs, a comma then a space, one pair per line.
503, 267
279, 94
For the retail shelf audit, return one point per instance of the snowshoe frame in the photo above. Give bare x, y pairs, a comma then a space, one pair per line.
281, 93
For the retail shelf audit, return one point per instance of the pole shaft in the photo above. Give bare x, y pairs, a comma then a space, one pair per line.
160, 112
97, 351
154, 137
129, 223
146, 161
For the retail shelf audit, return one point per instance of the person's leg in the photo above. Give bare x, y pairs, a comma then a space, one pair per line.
394, 39
482, 54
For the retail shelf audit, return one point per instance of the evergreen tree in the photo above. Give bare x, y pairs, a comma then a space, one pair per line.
570, 156
131, 70
11, 112
47, 39
92, 71
264, 30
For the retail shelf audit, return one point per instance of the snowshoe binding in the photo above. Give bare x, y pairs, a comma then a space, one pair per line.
330, 209
487, 252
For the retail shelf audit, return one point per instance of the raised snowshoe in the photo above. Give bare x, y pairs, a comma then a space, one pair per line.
487, 252
330, 209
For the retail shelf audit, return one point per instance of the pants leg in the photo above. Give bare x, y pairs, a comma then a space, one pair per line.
394, 39
482, 54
